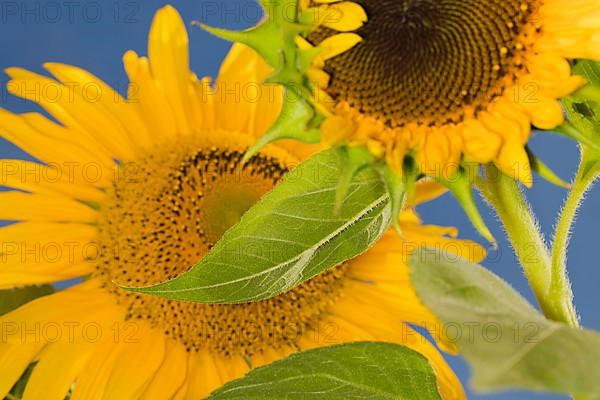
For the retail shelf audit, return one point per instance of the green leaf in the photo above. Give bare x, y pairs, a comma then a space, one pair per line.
12, 299
590, 70
583, 109
506, 341
290, 236
353, 159
461, 187
362, 370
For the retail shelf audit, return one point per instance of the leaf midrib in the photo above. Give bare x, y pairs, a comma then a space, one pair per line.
313, 248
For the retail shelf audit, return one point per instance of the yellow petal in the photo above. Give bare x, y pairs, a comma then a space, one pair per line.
439, 154
427, 191
51, 179
347, 331
84, 303
14, 359
336, 130
73, 109
125, 121
338, 44
342, 16
232, 367
49, 143
203, 376
169, 63
58, 366
481, 144
35, 253
239, 88
138, 358
148, 99
171, 374
17, 206
445, 240
41, 274
514, 162
545, 113
91, 383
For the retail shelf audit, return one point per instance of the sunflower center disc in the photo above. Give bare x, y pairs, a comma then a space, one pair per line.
166, 216
429, 61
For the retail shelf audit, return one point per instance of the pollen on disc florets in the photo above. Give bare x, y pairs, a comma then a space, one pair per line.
432, 62
167, 215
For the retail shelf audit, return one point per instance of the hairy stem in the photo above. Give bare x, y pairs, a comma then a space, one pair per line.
560, 289
506, 197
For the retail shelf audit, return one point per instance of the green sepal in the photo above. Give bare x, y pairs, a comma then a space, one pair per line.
396, 189
274, 40
544, 171
292, 123
353, 160
259, 38
462, 188
575, 129
411, 175
306, 57
308, 17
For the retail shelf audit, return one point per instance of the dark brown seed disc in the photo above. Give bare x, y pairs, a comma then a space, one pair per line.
426, 61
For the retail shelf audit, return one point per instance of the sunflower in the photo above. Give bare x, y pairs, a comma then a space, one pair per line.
153, 182
447, 81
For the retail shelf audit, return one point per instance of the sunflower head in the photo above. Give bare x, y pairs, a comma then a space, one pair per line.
172, 178
438, 87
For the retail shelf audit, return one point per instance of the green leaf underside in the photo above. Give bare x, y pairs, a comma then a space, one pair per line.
361, 370
505, 340
290, 236
12, 299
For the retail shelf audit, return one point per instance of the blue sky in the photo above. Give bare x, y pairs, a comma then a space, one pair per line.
94, 35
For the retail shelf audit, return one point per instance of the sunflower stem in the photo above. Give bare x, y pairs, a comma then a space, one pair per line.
560, 289
505, 196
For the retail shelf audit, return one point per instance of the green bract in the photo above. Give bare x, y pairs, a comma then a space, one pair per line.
274, 39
